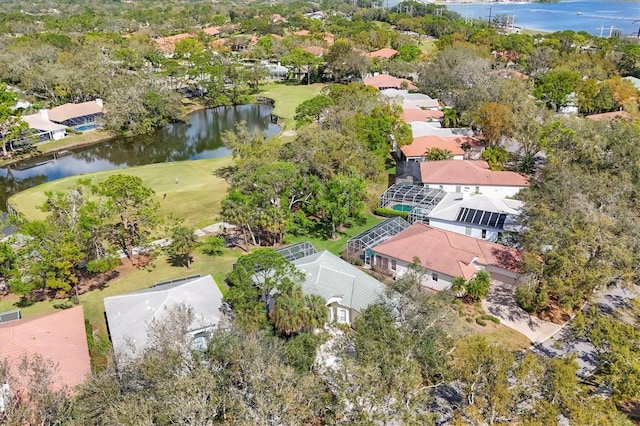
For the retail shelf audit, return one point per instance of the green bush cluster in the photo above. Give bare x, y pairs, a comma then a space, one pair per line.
390, 213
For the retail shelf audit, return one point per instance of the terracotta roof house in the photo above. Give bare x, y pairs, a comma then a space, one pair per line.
445, 255
168, 44
128, 315
386, 53
471, 176
59, 337
316, 50
81, 116
45, 128
212, 31
386, 81
329, 38
417, 114
276, 17
607, 116
302, 33
346, 289
477, 216
417, 150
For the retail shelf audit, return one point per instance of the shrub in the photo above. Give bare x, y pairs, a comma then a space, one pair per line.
213, 246
481, 322
300, 351
491, 318
532, 297
390, 213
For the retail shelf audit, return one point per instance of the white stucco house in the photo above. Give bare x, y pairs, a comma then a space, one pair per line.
471, 176
477, 216
44, 128
445, 255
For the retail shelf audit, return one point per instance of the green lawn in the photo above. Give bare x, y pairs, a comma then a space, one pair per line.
428, 45
338, 245
195, 198
135, 279
288, 97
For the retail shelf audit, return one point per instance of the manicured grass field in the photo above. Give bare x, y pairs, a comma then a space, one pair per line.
288, 97
338, 245
195, 198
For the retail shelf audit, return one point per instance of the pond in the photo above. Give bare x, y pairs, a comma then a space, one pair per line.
199, 138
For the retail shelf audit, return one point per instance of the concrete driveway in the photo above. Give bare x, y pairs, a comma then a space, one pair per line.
501, 303
608, 301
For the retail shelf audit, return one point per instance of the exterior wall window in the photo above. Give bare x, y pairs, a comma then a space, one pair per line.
477, 189
393, 264
343, 315
440, 187
484, 234
434, 276
457, 188
467, 189
467, 230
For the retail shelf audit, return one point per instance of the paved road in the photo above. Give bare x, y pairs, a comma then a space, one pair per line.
564, 343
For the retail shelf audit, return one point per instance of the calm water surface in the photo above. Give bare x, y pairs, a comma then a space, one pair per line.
577, 15
199, 138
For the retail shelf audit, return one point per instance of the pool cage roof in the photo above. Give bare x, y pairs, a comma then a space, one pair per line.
372, 237
419, 197
297, 251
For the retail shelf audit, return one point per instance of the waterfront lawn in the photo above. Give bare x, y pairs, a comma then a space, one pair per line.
195, 198
288, 97
338, 245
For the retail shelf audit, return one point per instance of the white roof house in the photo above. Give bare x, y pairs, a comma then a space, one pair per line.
40, 123
411, 100
346, 289
478, 216
129, 315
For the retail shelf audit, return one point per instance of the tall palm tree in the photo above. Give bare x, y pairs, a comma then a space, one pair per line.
459, 286
451, 117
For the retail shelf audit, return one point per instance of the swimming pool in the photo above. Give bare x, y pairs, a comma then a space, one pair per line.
85, 127
402, 207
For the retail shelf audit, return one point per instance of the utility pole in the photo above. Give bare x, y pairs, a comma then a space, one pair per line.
601, 28
489, 17
611, 31
638, 28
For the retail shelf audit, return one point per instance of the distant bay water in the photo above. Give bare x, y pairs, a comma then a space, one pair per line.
596, 17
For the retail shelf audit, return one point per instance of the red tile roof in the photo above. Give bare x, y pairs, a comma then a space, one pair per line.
420, 145
447, 252
385, 53
417, 114
468, 172
608, 115
212, 30
59, 337
385, 81
168, 44
316, 50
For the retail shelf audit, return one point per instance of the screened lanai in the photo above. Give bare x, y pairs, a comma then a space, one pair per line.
417, 200
360, 246
297, 251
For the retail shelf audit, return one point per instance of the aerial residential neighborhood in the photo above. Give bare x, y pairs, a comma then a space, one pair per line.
298, 213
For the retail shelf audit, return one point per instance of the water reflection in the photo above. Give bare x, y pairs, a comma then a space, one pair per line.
199, 138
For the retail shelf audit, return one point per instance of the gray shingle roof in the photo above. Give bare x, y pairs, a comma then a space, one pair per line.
128, 315
328, 276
